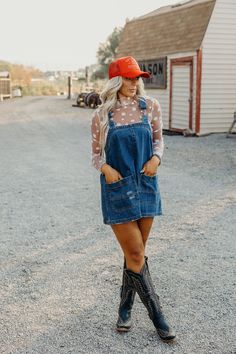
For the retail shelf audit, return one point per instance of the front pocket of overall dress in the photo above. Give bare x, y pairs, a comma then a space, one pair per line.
150, 196
149, 188
149, 184
122, 195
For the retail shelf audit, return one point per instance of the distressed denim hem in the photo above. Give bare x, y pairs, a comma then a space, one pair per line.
121, 221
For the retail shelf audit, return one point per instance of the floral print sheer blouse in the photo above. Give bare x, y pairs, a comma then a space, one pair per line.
126, 112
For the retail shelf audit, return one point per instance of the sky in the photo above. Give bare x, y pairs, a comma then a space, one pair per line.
63, 35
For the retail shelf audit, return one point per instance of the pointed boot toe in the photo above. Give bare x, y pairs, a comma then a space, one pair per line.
166, 335
123, 325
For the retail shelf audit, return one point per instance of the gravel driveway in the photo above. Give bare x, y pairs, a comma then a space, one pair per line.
61, 267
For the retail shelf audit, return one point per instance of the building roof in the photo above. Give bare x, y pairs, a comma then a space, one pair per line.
4, 74
170, 29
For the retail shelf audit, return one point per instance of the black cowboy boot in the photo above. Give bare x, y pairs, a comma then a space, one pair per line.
142, 283
127, 294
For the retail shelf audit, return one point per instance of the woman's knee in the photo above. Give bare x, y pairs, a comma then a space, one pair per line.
136, 255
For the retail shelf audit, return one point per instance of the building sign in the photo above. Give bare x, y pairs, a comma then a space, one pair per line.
157, 69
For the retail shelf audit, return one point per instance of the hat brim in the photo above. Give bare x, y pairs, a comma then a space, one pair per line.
136, 74
145, 74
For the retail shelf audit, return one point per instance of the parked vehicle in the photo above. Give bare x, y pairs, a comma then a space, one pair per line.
17, 92
88, 99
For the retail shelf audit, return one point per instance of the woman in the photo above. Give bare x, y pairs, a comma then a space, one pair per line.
127, 129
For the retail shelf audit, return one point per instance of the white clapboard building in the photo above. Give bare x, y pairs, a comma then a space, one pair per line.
190, 49
5, 85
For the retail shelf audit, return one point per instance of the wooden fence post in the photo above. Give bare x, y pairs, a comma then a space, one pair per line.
69, 87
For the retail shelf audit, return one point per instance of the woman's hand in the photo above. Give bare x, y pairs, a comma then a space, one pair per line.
150, 167
111, 175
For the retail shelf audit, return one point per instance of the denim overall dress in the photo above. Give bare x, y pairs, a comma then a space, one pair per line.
127, 149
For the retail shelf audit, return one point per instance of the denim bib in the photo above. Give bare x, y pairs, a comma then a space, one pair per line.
127, 149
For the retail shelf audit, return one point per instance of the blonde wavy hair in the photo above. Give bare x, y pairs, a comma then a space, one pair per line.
109, 97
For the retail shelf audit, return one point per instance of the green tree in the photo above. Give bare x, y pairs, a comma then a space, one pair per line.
5, 66
107, 51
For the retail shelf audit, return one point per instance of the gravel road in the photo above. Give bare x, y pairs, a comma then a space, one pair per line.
61, 267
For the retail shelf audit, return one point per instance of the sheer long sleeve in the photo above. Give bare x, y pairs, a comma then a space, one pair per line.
97, 159
157, 125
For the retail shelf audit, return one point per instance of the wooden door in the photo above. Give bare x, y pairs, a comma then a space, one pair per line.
181, 91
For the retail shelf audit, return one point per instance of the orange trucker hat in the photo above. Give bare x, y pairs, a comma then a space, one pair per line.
126, 67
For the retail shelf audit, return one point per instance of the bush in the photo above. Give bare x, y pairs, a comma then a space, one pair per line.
40, 90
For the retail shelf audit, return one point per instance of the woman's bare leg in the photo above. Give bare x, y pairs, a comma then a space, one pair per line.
145, 225
130, 239
130, 235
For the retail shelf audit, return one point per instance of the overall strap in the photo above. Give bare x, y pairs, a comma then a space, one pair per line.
110, 120
143, 107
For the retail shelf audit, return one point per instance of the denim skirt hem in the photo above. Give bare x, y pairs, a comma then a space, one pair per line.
122, 221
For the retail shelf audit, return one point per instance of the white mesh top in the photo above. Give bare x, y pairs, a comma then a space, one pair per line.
126, 112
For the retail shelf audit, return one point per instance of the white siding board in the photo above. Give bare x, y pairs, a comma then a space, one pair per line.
218, 93
222, 70
227, 19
